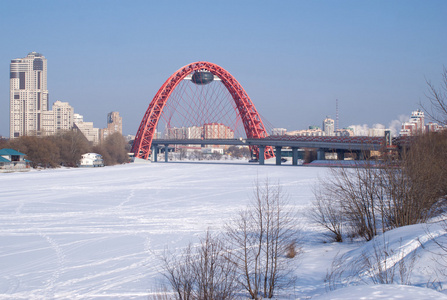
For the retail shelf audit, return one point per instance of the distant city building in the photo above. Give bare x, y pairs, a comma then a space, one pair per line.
315, 131
376, 131
86, 128
207, 131
279, 131
175, 133
129, 137
60, 118
28, 95
415, 126
329, 126
344, 132
114, 124
433, 127
194, 132
217, 131
418, 118
157, 134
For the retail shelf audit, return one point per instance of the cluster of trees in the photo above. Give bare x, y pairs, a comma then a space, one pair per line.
373, 198
238, 152
253, 255
400, 191
66, 148
114, 149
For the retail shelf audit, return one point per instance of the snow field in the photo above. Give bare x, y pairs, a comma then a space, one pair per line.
97, 233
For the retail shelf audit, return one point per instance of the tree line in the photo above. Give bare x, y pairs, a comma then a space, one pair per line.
66, 148
376, 197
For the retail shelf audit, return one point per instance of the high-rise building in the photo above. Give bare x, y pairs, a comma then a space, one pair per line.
279, 131
344, 132
418, 118
312, 131
58, 119
329, 127
217, 131
114, 124
194, 132
28, 95
416, 124
86, 128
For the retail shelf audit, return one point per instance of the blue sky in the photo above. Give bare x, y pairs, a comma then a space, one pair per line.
294, 58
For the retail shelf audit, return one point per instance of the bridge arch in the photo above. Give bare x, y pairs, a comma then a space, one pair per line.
253, 125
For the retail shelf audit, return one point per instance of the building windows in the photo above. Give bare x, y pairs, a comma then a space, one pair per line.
22, 80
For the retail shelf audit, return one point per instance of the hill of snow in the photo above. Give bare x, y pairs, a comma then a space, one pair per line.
98, 233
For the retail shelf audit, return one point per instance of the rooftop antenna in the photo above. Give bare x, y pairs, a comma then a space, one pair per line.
336, 114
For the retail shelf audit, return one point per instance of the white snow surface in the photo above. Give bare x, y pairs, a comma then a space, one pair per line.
98, 233
384, 292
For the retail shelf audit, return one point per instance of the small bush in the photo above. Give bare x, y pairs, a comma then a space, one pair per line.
291, 251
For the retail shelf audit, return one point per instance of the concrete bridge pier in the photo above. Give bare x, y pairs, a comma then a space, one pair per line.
166, 152
154, 152
321, 154
261, 154
363, 154
294, 156
340, 154
278, 155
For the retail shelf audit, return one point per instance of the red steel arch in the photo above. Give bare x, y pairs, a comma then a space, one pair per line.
254, 128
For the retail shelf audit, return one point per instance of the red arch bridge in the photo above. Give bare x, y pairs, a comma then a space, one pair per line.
203, 94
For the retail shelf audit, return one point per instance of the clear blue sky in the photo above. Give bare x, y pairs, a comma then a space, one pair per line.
294, 58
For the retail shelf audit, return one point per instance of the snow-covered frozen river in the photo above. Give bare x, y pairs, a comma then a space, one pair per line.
98, 233
90, 233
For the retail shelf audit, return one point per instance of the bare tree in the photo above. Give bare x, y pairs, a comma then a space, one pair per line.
373, 198
326, 211
72, 144
261, 237
113, 149
437, 110
350, 197
415, 187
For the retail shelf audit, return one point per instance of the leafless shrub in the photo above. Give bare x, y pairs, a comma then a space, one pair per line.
260, 237
326, 211
204, 273
349, 197
374, 198
291, 250
337, 275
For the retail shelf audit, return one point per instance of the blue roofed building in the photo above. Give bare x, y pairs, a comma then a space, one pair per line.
13, 161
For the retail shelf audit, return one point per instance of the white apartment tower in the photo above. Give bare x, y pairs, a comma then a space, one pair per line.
60, 118
28, 95
329, 127
86, 128
114, 124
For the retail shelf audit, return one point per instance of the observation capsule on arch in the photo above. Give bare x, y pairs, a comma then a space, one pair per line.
202, 78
